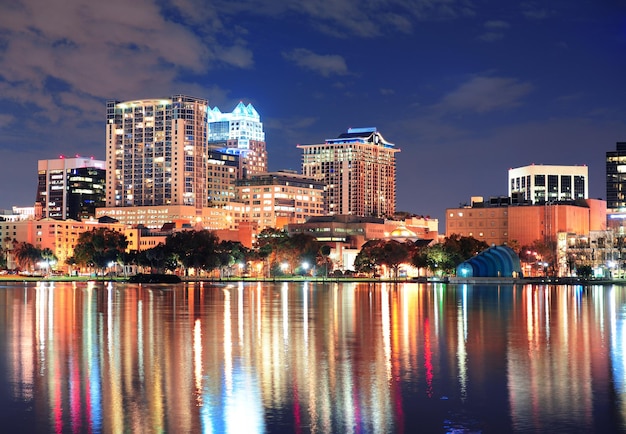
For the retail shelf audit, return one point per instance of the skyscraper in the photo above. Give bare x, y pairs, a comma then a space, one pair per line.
240, 132
359, 169
70, 188
616, 179
157, 152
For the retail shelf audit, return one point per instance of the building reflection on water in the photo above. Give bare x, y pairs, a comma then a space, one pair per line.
313, 357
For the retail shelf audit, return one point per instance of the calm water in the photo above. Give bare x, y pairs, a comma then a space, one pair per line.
305, 357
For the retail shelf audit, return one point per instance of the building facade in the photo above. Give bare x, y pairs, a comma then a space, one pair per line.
240, 132
156, 152
70, 188
616, 179
502, 223
276, 199
223, 170
359, 170
60, 236
546, 183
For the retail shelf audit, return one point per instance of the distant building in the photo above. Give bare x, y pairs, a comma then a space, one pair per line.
70, 188
60, 236
498, 222
17, 213
276, 199
540, 183
346, 234
616, 179
223, 170
239, 132
359, 169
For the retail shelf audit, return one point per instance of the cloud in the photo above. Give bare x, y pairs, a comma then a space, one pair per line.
324, 64
99, 50
6, 120
485, 94
494, 30
533, 11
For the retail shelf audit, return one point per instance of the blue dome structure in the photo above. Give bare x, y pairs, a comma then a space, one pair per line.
496, 261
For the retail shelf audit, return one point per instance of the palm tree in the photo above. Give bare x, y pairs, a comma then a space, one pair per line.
26, 255
48, 256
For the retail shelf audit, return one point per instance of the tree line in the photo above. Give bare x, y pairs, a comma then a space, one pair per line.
275, 251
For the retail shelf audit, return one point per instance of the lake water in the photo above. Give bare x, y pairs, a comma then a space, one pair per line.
306, 357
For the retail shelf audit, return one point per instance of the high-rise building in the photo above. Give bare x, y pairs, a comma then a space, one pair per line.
540, 183
240, 132
156, 152
70, 188
359, 169
616, 179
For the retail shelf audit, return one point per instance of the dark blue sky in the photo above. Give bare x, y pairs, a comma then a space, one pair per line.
466, 89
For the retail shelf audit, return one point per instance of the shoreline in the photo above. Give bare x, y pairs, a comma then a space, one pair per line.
430, 280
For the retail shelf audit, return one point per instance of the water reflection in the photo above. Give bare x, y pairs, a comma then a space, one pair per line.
311, 357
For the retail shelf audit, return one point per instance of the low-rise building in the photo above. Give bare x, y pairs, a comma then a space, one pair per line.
497, 221
276, 199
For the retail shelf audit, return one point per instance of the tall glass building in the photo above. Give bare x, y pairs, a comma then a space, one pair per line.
359, 170
70, 188
156, 152
240, 132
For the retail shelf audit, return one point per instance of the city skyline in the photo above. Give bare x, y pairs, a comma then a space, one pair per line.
465, 90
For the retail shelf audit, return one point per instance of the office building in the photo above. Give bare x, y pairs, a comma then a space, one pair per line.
359, 170
540, 183
69, 188
278, 198
239, 132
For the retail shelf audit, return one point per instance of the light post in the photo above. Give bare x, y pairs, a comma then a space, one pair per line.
283, 267
305, 267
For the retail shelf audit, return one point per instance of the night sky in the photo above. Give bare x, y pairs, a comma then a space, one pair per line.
465, 89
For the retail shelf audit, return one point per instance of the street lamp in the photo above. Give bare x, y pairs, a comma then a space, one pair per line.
283, 267
305, 266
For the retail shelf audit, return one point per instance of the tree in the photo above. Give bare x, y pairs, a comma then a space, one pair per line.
26, 255
391, 253
584, 271
441, 260
48, 256
99, 247
368, 258
464, 247
230, 253
194, 249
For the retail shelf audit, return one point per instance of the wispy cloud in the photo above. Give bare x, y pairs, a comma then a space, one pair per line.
484, 94
534, 10
494, 30
324, 64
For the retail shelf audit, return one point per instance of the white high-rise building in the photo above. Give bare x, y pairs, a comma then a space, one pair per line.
156, 152
540, 183
240, 132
